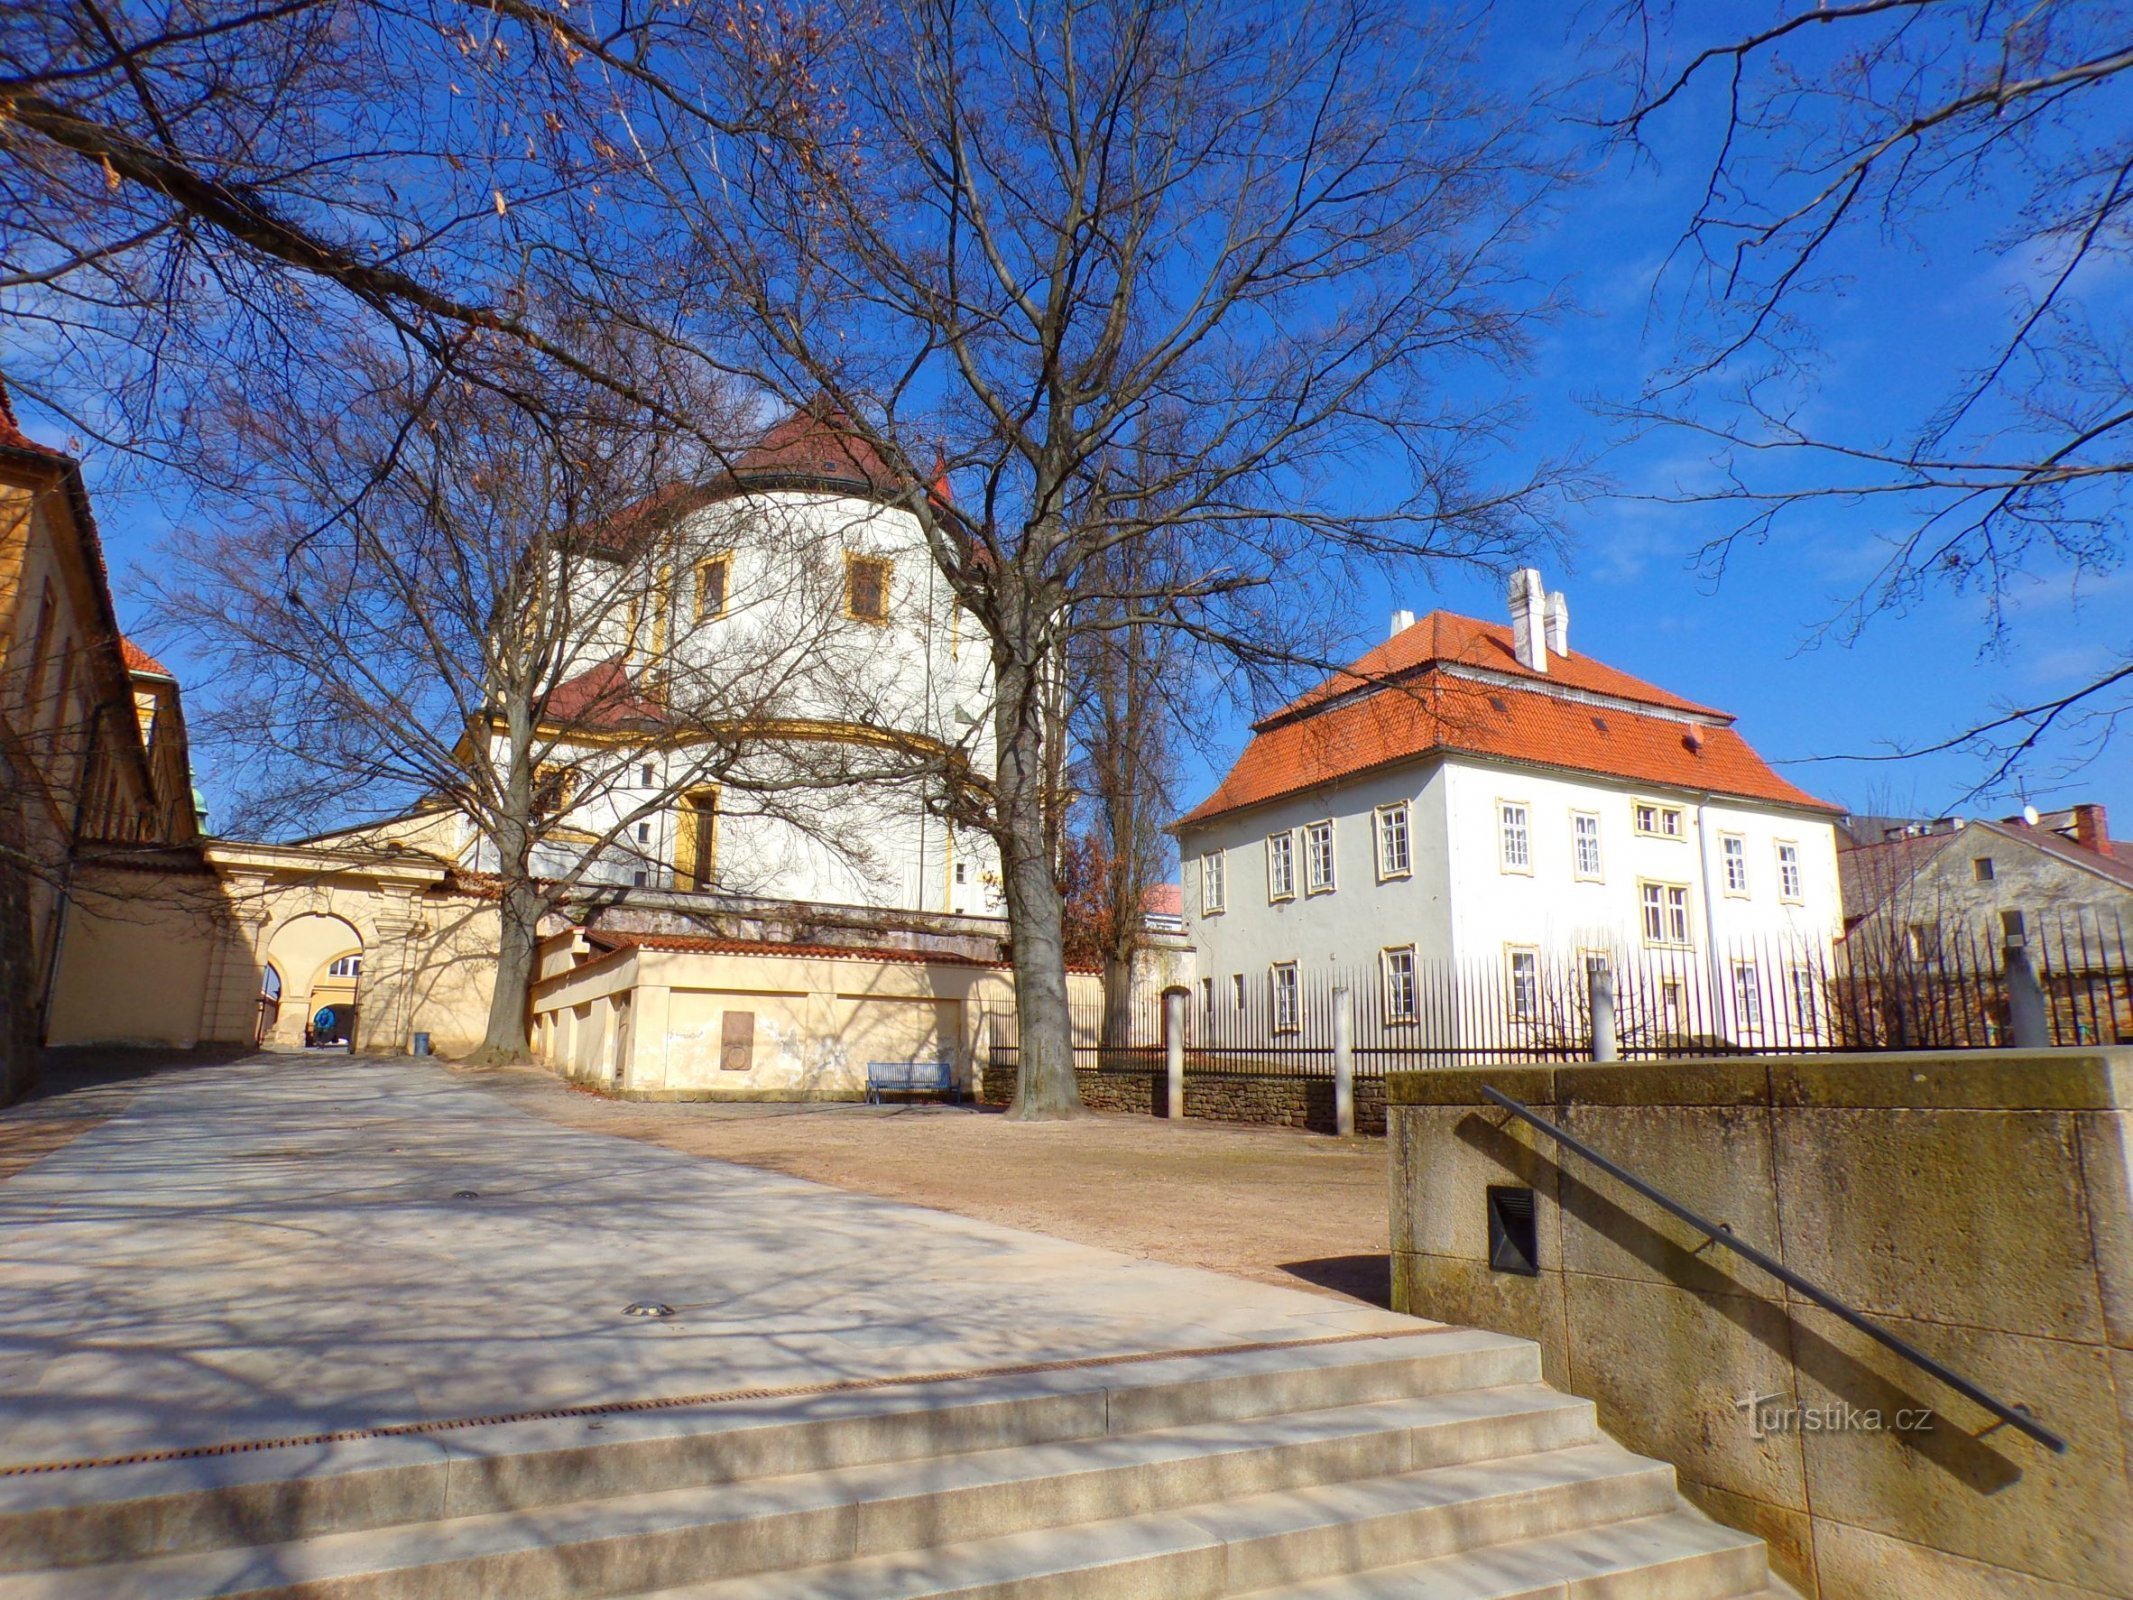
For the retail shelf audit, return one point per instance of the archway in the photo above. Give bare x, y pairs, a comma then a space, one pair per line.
319, 958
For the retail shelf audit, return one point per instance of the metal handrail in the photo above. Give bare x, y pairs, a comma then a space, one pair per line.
2013, 1416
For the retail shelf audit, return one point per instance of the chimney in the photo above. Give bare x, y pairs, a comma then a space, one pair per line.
2092, 829
1528, 620
1401, 622
1558, 624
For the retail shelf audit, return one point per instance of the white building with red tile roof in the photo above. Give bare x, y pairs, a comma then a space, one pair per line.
1479, 794
762, 626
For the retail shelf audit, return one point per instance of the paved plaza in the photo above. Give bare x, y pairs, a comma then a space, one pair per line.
294, 1244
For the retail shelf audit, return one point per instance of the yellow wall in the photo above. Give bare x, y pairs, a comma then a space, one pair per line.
818, 1021
178, 959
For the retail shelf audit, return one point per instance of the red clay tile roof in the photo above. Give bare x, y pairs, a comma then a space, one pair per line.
140, 661
603, 697
1163, 900
817, 443
1457, 641
1432, 712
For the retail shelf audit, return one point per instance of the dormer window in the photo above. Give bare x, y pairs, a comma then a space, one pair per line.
866, 588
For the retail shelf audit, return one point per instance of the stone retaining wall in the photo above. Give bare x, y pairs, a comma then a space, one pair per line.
1977, 1204
1219, 1097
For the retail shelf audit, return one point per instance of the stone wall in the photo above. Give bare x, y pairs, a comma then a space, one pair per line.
1976, 1205
1279, 1102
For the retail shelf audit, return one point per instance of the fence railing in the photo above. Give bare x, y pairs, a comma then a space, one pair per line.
1944, 989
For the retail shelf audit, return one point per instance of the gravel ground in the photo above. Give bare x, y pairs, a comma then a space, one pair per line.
1271, 1204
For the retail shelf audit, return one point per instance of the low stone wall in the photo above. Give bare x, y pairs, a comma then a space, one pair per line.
1266, 1101
1976, 1205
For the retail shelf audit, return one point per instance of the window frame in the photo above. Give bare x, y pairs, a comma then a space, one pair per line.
1792, 873
724, 564
1529, 986
1667, 911
1277, 988
1281, 865
1207, 997
1214, 874
1801, 987
1733, 863
1660, 812
1747, 1006
1983, 870
1381, 819
1312, 833
853, 561
1411, 1015
1598, 874
1504, 863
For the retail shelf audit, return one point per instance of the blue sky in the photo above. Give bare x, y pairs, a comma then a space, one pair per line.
1751, 641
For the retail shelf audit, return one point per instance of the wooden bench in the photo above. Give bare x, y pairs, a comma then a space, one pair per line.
910, 1077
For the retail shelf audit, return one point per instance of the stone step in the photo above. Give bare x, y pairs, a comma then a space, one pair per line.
1331, 1537
1677, 1555
128, 1512
618, 1544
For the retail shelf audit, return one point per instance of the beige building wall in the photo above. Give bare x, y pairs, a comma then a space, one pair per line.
697, 1025
177, 958
1978, 1206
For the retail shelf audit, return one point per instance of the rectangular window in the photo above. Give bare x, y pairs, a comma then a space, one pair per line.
1236, 986
552, 788
1393, 859
1922, 939
1657, 821
866, 588
712, 578
1981, 868
1666, 913
1805, 1009
696, 841
1207, 998
1788, 872
1318, 857
1670, 1008
645, 776
1281, 866
40, 642
1525, 985
1734, 849
1585, 843
1400, 997
1747, 995
644, 833
1285, 1008
1211, 883
1515, 846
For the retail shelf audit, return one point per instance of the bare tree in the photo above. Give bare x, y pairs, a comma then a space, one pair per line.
1288, 229
499, 629
1870, 127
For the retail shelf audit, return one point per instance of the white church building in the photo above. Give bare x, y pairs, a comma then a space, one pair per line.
1477, 797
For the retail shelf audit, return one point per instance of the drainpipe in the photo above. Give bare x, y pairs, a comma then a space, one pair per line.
1721, 998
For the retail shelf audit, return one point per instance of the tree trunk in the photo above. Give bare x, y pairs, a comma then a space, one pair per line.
1118, 1000
518, 933
1045, 1087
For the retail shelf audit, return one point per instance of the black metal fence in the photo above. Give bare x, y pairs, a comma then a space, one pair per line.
1943, 989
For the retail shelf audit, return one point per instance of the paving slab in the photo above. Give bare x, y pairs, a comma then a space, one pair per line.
280, 1246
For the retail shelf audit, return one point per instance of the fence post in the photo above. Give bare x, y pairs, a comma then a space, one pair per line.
2028, 1027
1343, 1064
1600, 989
1174, 1053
